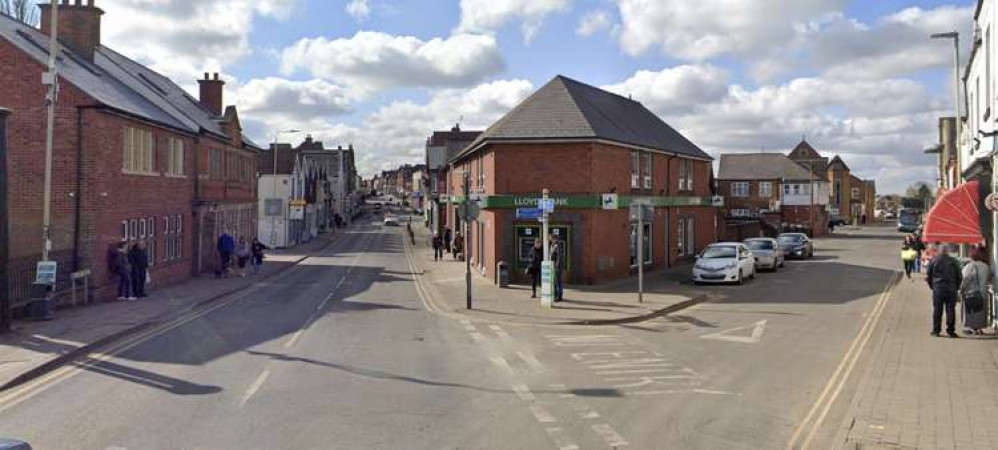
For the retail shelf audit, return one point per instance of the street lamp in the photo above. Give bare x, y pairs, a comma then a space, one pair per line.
273, 218
956, 99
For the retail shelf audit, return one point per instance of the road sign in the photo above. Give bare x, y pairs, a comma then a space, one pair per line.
45, 272
529, 213
610, 201
546, 204
472, 210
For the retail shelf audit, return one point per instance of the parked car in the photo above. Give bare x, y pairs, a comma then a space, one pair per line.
837, 221
796, 245
391, 221
767, 251
724, 262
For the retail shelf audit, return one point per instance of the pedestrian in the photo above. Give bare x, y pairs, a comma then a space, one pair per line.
226, 246
536, 258
458, 244
944, 278
243, 255
438, 247
447, 239
919, 246
973, 291
908, 256
138, 260
412, 236
557, 264
257, 248
123, 270
862, 219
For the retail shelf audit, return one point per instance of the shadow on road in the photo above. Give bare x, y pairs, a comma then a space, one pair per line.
154, 380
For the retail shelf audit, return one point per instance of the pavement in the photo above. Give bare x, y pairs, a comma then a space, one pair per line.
35, 347
345, 350
444, 283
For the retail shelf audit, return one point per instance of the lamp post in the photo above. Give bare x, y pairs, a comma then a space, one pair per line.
273, 179
51, 79
950, 183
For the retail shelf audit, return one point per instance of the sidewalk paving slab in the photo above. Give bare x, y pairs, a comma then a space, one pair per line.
920, 391
606, 304
33, 348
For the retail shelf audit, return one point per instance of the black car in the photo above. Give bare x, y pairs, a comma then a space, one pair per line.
796, 245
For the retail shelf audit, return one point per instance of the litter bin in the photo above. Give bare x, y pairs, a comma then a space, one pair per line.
42, 305
502, 274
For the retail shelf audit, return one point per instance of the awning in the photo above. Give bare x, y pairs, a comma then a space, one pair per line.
955, 218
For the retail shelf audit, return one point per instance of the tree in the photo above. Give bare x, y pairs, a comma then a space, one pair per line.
24, 10
922, 192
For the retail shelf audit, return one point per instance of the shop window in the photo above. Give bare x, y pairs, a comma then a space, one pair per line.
647, 244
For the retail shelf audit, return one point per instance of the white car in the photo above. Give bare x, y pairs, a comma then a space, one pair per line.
391, 221
724, 262
767, 252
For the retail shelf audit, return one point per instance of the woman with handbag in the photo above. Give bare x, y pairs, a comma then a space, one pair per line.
973, 292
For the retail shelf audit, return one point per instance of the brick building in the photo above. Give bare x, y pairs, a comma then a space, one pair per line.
134, 157
441, 146
851, 197
581, 142
766, 193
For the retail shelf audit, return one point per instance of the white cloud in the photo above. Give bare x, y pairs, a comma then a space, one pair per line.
374, 61
269, 98
702, 29
676, 89
593, 22
183, 38
358, 9
484, 16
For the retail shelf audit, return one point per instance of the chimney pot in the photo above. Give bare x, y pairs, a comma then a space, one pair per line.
211, 93
216, 75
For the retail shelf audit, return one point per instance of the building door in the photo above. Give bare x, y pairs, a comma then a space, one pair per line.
526, 234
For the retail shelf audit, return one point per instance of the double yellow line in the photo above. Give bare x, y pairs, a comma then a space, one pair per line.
804, 434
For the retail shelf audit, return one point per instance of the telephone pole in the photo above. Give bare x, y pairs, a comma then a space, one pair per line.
50, 78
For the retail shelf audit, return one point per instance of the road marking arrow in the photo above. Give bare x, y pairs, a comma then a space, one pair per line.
757, 329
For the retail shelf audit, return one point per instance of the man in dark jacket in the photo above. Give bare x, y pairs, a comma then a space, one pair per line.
226, 246
536, 258
138, 259
121, 268
944, 278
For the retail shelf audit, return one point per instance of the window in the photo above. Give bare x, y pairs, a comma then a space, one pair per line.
215, 168
231, 166
646, 176
173, 227
740, 189
741, 212
175, 156
138, 151
766, 189
691, 245
855, 192
646, 248
635, 169
795, 189
838, 192
681, 237
151, 240
134, 229
686, 175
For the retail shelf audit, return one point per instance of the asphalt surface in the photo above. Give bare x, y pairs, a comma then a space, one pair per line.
340, 352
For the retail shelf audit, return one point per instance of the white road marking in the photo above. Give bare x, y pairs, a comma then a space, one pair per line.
294, 338
524, 392
255, 387
582, 340
468, 326
501, 363
560, 440
448, 280
757, 330
501, 333
680, 391
477, 337
531, 360
541, 414
612, 438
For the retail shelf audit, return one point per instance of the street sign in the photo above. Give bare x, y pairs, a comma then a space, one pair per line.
45, 272
472, 211
528, 213
546, 204
610, 201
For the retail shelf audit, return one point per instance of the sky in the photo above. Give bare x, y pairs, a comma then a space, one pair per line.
859, 78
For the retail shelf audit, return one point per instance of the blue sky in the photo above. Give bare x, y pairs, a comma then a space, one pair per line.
859, 78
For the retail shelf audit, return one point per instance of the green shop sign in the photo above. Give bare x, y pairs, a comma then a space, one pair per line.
578, 201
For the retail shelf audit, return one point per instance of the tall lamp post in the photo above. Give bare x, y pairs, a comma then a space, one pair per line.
950, 183
51, 79
273, 179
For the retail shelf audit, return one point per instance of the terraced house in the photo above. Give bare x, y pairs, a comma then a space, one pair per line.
135, 156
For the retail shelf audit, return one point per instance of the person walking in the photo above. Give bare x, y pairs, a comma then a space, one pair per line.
973, 292
412, 236
944, 278
138, 260
458, 244
226, 246
123, 270
243, 255
447, 239
438, 247
908, 256
558, 265
919, 246
536, 258
257, 249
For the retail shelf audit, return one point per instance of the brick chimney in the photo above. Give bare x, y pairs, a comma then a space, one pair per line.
211, 93
79, 26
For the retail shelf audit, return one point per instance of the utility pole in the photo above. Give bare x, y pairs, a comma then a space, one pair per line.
50, 78
4, 269
466, 212
641, 253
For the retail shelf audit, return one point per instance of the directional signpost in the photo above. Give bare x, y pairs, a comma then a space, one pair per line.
546, 205
529, 213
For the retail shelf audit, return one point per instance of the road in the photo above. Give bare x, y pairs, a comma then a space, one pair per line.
340, 352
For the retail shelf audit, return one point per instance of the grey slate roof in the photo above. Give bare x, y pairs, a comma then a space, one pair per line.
119, 82
838, 165
761, 166
567, 109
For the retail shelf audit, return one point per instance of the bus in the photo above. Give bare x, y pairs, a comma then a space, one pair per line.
909, 215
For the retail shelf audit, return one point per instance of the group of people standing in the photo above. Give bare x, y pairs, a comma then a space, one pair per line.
246, 253
557, 250
951, 283
452, 243
130, 263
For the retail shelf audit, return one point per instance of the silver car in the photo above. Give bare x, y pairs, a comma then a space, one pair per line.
767, 251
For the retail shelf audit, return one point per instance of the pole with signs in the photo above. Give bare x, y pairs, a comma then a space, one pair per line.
466, 213
641, 253
547, 267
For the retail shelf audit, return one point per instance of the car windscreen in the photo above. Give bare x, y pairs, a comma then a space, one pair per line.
790, 239
718, 252
759, 245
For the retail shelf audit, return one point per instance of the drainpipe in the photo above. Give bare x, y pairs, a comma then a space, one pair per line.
5, 312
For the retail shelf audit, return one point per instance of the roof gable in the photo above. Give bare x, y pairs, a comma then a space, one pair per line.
838, 165
804, 150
